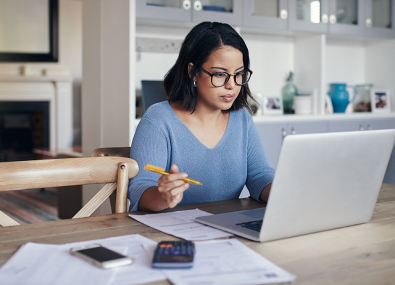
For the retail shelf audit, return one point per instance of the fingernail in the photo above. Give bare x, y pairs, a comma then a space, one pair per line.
186, 185
184, 175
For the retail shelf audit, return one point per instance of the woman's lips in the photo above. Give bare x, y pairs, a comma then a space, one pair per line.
228, 98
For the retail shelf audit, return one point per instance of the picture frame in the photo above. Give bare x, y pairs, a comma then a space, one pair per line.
272, 106
380, 99
51, 52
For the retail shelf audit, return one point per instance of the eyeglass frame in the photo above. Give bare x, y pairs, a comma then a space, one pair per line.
229, 75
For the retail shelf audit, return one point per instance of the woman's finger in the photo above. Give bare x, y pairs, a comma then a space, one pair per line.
165, 187
172, 177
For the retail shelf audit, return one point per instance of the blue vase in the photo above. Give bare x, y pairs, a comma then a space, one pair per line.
339, 96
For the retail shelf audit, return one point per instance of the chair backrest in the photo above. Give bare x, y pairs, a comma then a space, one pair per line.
112, 151
114, 171
117, 152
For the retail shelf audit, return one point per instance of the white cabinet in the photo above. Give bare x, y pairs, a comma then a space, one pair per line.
273, 133
228, 11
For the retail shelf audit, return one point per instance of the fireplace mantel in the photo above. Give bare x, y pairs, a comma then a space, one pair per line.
57, 90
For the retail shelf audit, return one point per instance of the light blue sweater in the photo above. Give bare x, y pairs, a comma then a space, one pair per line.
162, 139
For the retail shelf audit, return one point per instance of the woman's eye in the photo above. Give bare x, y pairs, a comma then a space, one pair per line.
220, 74
240, 73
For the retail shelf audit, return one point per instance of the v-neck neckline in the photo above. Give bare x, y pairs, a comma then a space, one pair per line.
196, 140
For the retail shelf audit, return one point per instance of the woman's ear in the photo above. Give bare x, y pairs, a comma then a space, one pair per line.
189, 69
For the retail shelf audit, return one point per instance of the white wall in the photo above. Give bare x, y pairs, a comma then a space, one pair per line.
380, 66
271, 59
70, 57
108, 43
345, 61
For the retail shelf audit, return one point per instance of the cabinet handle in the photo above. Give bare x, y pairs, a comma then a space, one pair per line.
324, 18
332, 19
283, 14
369, 127
197, 5
186, 4
361, 128
368, 22
284, 133
293, 132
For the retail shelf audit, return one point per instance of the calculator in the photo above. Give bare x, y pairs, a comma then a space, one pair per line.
174, 255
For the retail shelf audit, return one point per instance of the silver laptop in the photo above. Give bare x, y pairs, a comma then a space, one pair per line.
322, 182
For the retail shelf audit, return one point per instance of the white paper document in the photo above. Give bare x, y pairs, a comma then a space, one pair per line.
51, 264
228, 262
181, 224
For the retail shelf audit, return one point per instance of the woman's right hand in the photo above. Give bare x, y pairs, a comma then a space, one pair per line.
171, 187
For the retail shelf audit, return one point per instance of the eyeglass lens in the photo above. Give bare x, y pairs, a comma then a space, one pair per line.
221, 78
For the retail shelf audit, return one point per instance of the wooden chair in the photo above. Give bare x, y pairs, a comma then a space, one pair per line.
114, 171
112, 151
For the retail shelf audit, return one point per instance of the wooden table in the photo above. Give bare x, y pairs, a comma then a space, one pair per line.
362, 254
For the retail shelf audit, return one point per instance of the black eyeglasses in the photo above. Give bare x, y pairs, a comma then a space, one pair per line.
219, 79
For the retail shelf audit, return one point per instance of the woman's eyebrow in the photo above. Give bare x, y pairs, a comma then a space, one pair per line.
216, 67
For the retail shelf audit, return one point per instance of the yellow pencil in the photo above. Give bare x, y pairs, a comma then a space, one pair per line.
162, 171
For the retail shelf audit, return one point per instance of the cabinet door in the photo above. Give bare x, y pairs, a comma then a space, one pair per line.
385, 124
346, 125
308, 15
175, 10
346, 17
271, 14
313, 127
226, 11
380, 124
272, 135
380, 16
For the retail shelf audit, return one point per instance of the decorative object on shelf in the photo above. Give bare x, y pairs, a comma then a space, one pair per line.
272, 106
380, 101
340, 96
288, 92
256, 106
303, 104
328, 105
24, 70
362, 102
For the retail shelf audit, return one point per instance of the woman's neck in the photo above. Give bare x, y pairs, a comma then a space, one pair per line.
202, 115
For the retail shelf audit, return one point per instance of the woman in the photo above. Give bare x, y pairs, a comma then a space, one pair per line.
203, 130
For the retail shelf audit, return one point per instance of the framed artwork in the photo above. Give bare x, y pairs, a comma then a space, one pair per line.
29, 30
272, 106
380, 101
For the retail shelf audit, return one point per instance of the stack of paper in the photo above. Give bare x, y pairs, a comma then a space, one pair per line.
228, 262
44, 264
182, 224
224, 261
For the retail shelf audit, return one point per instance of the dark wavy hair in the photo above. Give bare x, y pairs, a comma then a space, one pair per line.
198, 45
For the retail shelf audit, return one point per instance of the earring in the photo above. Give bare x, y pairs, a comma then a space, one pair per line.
194, 83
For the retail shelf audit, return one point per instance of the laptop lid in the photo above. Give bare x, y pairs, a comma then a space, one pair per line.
326, 181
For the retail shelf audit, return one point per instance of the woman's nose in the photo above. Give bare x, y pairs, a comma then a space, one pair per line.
231, 83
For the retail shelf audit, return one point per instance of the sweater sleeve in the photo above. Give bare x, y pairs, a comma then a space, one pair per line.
149, 146
259, 172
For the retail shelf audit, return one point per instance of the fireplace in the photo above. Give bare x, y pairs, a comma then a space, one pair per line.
35, 112
24, 126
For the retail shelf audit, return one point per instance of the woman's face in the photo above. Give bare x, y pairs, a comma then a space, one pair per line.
225, 59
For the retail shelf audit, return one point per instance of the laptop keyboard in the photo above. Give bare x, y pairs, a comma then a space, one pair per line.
253, 225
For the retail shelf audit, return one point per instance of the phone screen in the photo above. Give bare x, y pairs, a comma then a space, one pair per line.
101, 254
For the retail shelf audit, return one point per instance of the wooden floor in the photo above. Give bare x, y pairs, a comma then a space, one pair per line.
30, 206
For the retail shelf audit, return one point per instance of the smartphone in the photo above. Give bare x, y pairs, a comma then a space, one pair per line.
101, 256
174, 255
